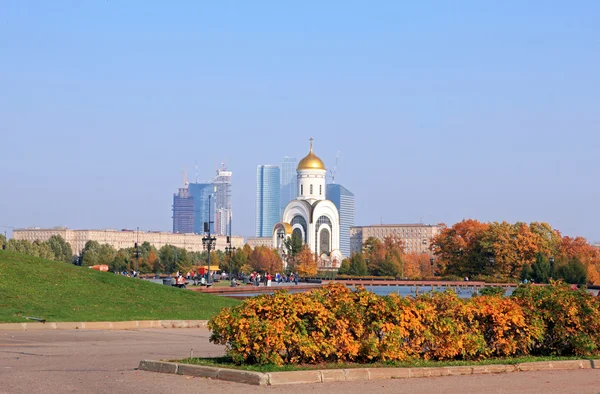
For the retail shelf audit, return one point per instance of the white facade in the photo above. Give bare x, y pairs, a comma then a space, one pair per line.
124, 238
311, 216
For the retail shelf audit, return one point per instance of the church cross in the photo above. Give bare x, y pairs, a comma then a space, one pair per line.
311, 140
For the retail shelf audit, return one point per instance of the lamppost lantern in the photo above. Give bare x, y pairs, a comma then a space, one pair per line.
491, 260
208, 242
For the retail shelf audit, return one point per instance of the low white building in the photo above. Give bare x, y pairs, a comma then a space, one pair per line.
121, 239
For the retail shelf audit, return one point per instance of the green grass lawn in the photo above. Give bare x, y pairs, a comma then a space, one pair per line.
30, 286
226, 362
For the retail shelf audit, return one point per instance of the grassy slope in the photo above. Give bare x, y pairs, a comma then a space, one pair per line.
31, 286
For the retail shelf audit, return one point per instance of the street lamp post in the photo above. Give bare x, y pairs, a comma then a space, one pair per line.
432, 261
230, 250
281, 237
491, 259
208, 242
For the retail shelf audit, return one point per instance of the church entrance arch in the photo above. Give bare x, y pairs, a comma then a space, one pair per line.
300, 221
324, 244
297, 233
323, 234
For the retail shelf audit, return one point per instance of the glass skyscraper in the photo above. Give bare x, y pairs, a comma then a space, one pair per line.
222, 197
289, 182
200, 193
267, 199
344, 201
183, 212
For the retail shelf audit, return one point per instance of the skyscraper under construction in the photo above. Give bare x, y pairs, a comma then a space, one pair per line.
183, 211
191, 205
222, 199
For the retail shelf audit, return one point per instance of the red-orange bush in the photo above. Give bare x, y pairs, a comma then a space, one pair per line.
335, 324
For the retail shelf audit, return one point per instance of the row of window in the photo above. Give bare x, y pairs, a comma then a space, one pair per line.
311, 190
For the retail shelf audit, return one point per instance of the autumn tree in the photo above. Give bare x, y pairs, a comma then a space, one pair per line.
240, 258
418, 265
548, 239
305, 263
579, 249
265, 259
154, 262
458, 249
384, 258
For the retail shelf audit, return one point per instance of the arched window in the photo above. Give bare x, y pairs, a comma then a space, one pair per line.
301, 190
297, 233
320, 190
311, 191
324, 244
300, 220
320, 221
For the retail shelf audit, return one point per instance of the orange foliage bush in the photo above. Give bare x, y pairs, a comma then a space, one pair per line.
335, 324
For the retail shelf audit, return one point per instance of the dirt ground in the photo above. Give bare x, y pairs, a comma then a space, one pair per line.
105, 361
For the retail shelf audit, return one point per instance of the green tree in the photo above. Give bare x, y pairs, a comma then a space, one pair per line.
61, 249
574, 271
43, 250
3, 241
174, 259
293, 245
166, 254
121, 261
106, 254
344, 267
20, 246
541, 269
240, 258
358, 265
90, 253
526, 273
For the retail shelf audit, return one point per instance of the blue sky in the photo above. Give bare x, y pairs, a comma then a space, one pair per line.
441, 110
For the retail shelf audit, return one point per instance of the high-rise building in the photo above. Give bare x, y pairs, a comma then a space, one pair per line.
289, 183
344, 201
222, 183
183, 211
201, 192
267, 199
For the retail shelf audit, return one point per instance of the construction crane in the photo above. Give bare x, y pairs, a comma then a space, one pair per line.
185, 180
332, 172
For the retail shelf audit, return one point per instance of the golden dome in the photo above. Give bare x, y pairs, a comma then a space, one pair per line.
311, 161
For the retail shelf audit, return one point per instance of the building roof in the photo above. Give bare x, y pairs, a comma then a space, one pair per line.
397, 225
311, 161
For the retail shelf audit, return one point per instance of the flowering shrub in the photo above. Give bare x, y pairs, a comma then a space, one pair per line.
335, 324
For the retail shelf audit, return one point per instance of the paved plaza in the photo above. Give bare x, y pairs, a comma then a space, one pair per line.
74, 361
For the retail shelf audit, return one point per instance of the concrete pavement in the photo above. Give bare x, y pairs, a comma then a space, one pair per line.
74, 361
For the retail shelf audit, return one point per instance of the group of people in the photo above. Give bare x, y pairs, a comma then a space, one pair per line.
256, 278
132, 274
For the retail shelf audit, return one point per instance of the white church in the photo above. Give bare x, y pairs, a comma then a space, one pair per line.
311, 216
